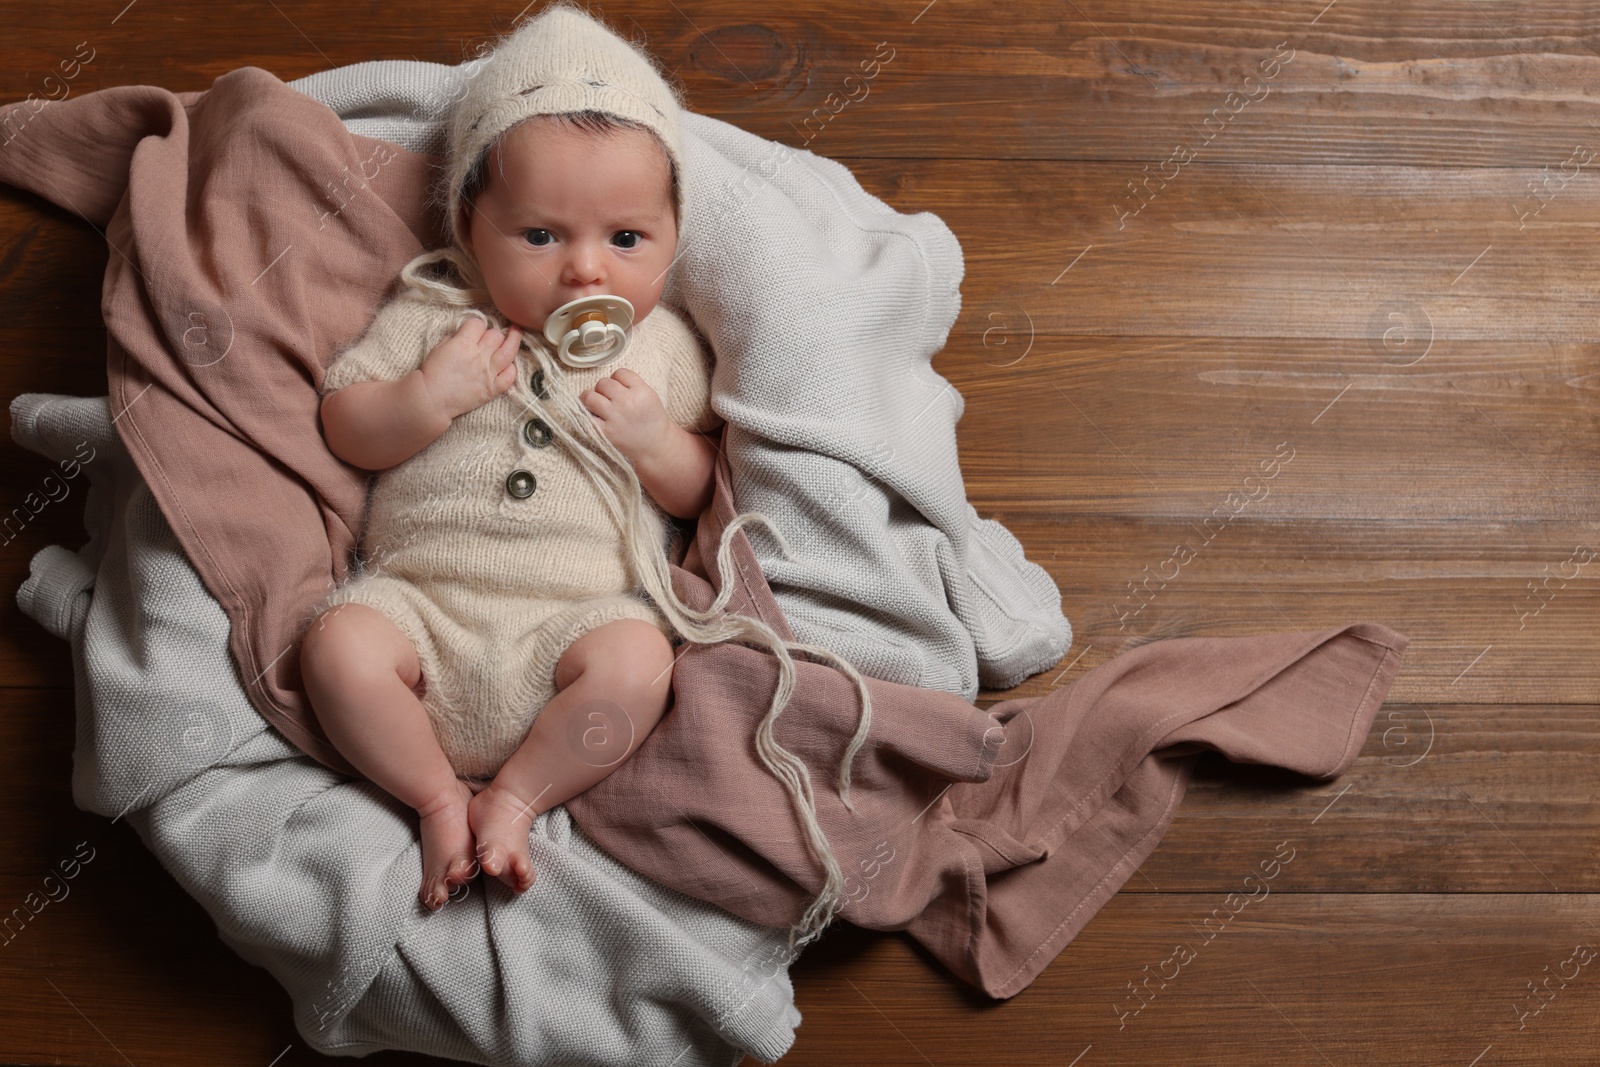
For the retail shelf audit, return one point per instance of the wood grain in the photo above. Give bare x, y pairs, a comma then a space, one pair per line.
1287, 979
1370, 258
1369, 82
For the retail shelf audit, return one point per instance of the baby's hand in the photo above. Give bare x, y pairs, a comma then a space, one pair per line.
628, 412
472, 366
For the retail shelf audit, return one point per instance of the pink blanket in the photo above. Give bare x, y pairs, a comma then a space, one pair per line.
251, 236
1065, 795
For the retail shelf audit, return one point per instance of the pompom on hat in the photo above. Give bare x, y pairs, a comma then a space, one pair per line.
560, 61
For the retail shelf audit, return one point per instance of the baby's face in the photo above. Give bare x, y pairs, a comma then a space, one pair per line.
565, 213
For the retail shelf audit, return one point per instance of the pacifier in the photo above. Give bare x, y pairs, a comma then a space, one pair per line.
590, 330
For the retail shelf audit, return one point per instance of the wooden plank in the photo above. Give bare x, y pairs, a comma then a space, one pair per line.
1494, 431
1461, 592
1442, 799
52, 266
1360, 81
1288, 979
1269, 251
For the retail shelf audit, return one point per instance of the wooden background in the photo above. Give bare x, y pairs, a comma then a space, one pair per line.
1346, 266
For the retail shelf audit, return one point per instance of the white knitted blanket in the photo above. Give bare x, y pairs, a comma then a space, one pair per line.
314, 876
825, 308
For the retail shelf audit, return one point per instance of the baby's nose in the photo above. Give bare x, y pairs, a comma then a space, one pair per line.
584, 267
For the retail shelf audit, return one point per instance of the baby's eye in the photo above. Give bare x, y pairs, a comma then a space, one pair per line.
538, 238
627, 238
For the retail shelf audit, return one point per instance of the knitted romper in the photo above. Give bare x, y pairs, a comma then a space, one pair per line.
489, 581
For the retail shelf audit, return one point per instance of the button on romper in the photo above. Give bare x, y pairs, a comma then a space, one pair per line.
491, 549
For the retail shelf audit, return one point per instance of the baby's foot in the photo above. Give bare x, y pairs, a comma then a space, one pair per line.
446, 845
500, 823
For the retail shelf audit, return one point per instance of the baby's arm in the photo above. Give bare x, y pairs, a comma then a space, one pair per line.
679, 473
376, 425
677, 467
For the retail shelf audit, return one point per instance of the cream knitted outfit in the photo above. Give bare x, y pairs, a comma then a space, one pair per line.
492, 589
491, 585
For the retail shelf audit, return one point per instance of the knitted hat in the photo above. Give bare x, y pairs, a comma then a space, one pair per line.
559, 61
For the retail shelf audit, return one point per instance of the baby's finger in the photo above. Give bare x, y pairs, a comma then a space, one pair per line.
471, 327
490, 340
508, 346
506, 378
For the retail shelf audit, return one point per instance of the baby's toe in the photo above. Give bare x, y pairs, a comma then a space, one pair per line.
516, 870
508, 863
500, 822
525, 874
433, 893
462, 871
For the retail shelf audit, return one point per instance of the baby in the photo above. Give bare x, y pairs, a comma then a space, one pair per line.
496, 627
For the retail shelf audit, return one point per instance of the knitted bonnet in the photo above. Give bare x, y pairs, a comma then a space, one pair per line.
558, 62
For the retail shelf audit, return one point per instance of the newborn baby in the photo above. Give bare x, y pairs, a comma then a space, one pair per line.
496, 589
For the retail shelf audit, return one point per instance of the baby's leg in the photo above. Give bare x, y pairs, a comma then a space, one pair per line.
361, 674
613, 685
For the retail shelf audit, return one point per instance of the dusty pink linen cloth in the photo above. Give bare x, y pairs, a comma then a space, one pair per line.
233, 277
990, 836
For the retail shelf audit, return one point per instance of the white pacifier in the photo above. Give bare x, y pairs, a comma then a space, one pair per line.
590, 330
